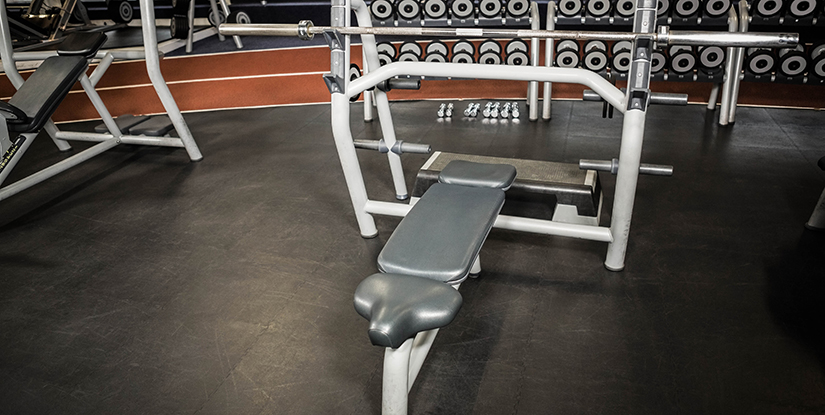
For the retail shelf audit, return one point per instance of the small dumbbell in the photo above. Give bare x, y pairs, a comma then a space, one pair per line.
441, 110
487, 109
469, 109
514, 110
495, 110
449, 111
474, 111
505, 111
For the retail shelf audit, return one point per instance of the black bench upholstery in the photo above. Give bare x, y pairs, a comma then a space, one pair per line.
468, 173
442, 235
400, 306
84, 44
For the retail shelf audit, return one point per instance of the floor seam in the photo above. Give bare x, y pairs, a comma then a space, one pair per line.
523, 362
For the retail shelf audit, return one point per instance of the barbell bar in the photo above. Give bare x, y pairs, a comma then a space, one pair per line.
306, 30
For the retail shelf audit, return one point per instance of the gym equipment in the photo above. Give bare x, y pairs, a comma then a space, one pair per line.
768, 8
462, 57
595, 60
567, 44
570, 8
462, 9
182, 24
716, 8
464, 46
625, 9
384, 59
817, 220
490, 58
382, 9
621, 46
435, 9
410, 47
682, 62
567, 59
711, 58
658, 61
489, 45
31, 107
437, 46
517, 8
620, 62
516, 45
662, 8
760, 62
445, 110
595, 45
802, 8
792, 64
686, 8
818, 67
440, 236
408, 9
598, 8
490, 8
387, 48
517, 58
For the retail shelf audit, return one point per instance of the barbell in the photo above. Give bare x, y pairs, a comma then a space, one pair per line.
306, 30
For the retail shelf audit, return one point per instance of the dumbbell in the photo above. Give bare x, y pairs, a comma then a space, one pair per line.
682, 61
767, 8
625, 8
595, 60
489, 52
662, 7
657, 62
517, 8
354, 73
817, 53
686, 8
595, 44
382, 9
462, 57
570, 8
437, 46
711, 58
435, 9
792, 63
386, 48
567, 54
622, 57
802, 8
463, 51
598, 8
408, 9
384, 59
515, 53
760, 61
716, 8
490, 8
462, 9
409, 51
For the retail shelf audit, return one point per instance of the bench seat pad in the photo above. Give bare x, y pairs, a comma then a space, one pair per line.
443, 233
45, 89
400, 306
468, 173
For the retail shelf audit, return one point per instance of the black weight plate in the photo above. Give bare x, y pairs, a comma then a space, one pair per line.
598, 8
712, 57
621, 45
381, 9
567, 59
518, 58
435, 9
717, 8
621, 61
570, 8
489, 45
462, 9
437, 46
410, 46
462, 57
435, 57
657, 62
490, 8
686, 8
625, 8
490, 58
408, 9
464, 45
682, 62
793, 64
386, 48
567, 44
518, 8
760, 62
595, 60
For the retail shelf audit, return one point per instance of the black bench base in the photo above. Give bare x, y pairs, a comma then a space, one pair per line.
542, 190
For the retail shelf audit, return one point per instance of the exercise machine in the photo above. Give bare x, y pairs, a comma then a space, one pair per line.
37, 97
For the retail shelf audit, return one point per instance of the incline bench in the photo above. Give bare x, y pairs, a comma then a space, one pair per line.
432, 251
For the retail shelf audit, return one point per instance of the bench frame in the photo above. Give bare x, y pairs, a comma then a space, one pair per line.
616, 235
105, 141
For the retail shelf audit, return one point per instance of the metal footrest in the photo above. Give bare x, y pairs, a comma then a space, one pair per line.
156, 126
124, 122
542, 189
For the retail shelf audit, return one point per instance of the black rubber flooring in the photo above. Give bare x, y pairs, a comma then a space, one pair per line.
141, 283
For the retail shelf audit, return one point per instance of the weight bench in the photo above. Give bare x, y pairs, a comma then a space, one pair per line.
432, 251
30, 109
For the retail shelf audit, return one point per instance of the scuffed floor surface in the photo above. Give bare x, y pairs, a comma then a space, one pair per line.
141, 283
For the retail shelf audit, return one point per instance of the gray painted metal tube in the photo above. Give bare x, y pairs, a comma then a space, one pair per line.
16, 157
150, 42
52, 130
395, 383
349, 164
740, 60
549, 50
213, 5
55, 169
817, 220
382, 103
110, 123
713, 97
730, 77
226, 12
125, 139
656, 98
420, 348
533, 86
623, 199
603, 87
102, 66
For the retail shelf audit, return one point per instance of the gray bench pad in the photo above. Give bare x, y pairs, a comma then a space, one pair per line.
400, 306
443, 233
468, 173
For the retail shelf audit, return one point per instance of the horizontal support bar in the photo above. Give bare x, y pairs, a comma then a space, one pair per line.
656, 98
306, 30
126, 139
514, 223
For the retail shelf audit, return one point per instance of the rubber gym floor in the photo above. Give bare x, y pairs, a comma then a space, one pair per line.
141, 283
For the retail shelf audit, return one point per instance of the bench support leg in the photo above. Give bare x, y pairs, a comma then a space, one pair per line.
630, 156
349, 163
476, 268
396, 379
817, 220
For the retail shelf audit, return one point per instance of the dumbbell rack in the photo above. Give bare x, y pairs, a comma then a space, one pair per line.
788, 66
391, 16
